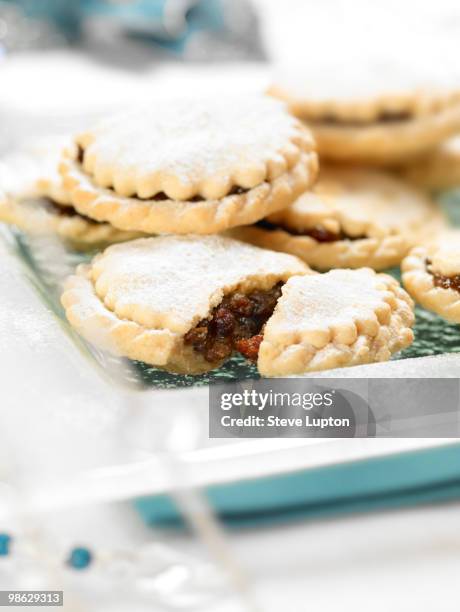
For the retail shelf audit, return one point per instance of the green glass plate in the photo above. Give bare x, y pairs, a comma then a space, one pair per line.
47, 263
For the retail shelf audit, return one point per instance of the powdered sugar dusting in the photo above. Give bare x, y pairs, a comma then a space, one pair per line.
360, 202
445, 259
189, 146
172, 282
337, 297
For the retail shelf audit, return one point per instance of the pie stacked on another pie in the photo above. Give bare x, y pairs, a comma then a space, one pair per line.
353, 217
191, 165
188, 299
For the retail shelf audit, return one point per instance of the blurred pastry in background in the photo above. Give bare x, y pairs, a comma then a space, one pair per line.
183, 303
36, 202
340, 318
354, 118
431, 274
191, 165
353, 217
439, 169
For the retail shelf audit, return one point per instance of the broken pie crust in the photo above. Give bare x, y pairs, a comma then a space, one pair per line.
429, 273
140, 299
191, 168
376, 217
340, 318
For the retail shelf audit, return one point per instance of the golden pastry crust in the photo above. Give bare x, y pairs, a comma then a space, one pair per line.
185, 148
341, 318
385, 143
416, 103
375, 217
378, 253
51, 186
438, 169
139, 299
439, 259
184, 217
35, 216
37, 203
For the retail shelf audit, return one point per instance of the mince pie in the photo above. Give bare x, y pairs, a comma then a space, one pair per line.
184, 303
386, 106
196, 166
431, 274
340, 318
352, 218
187, 303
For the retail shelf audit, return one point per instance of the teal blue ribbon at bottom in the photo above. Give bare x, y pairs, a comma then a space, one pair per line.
393, 481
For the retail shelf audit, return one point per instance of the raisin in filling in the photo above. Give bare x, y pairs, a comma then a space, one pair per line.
444, 282
318, 232
161, 196
236, 324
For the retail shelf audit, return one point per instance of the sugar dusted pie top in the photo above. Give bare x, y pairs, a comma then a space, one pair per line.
172, 282
327, 301
359, 202
342, 317
193, 147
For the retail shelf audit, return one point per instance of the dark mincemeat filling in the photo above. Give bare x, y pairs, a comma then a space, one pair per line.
444, 282
161, 196
318, 233
235, 325
80, 155
65, 211
57, 209
384, 117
